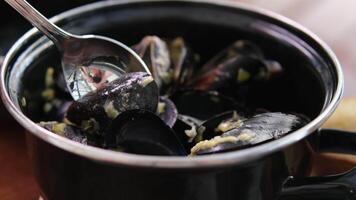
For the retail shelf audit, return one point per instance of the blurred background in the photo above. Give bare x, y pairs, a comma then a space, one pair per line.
332, 20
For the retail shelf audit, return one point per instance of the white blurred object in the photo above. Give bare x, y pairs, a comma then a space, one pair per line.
1, 60
332, 20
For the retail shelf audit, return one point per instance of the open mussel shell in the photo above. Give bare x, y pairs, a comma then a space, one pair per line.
155, 54
65, 130
143, 132
203, 104
167, 111
240, 48
256, 130
183, 61
62, 109
95, 111
237, 71
187, 129
219, 124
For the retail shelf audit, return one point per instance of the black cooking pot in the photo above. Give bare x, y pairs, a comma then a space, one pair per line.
312, 85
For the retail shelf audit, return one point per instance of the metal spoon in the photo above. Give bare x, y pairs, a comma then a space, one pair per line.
89, 61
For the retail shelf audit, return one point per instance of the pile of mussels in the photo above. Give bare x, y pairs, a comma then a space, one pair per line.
181, 109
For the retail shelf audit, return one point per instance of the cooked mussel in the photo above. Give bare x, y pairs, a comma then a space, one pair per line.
187, 130
65, 130
258, 129
155, 53
183, 61
182, 107
62, 107
239, 64
167, 111
220, 124
95, 111
203, 104
143, 132
241, 48
236, 71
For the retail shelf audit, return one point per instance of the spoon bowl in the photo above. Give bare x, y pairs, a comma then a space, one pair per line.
89, 62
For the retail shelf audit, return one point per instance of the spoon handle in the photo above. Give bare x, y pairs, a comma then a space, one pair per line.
52, 31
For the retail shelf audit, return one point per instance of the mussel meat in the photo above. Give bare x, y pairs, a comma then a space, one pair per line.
65, 130
181, 108
183, 60
237, 71
256, 130
220, 124
155, 53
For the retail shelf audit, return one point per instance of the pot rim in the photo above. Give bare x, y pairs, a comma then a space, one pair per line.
204, 161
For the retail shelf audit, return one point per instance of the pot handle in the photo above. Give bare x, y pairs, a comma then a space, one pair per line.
333, 187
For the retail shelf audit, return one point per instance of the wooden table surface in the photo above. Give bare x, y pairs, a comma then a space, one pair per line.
16, 179
331, 20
